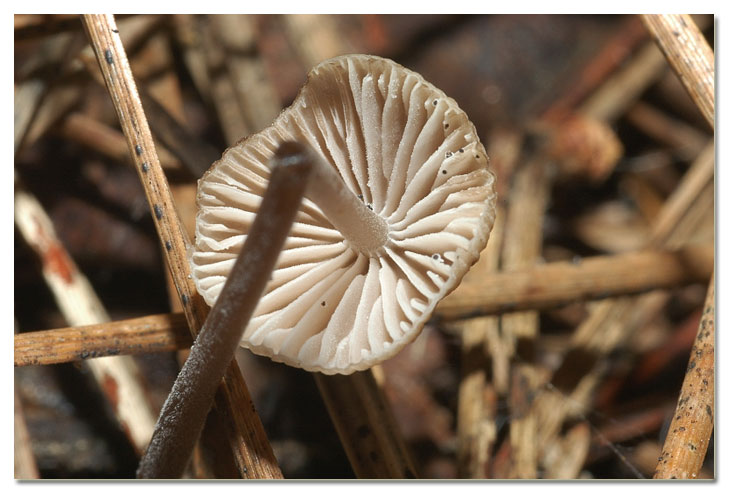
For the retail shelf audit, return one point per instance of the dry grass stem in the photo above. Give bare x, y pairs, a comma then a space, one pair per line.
25, 467
106, 140
622, 89
560, 355
194, 154
689, 433
155, 333
692, 189
681, 137
554, 284
117, 377
541, 287
365, 425
251, 448
690, 56
611, 321
611, 56
521, 248
476, 408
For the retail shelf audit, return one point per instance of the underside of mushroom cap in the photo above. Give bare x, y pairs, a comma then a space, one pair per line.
412, 156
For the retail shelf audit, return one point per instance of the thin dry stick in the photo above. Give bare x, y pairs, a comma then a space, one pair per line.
689, 433
316, 37
476, 429
681, 137
30, 93
612, 320
183, 415
539, 287
622, 42
118, 378
255, 94
620, 91
614, 315
690, 56
25, 464
156, 333
522, 244
685, 447
365, 426
563, 282
105, 139
521, 248
695, 180
222, 91
249, 443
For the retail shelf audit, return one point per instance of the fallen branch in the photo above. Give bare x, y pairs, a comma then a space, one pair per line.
555, 284
156, 333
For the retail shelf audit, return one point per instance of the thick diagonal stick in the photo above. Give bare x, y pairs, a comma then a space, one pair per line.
252, 451
687, 440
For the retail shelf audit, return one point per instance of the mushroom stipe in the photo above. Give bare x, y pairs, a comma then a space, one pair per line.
183, 414
399, 176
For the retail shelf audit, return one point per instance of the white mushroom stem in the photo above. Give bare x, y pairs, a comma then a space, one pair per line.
365, 230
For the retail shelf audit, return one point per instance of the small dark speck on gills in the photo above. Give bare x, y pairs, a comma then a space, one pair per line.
158, 211
108, 56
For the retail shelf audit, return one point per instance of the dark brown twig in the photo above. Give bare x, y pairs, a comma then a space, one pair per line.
183, 415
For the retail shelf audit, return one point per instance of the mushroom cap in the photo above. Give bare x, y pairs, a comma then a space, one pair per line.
412, 155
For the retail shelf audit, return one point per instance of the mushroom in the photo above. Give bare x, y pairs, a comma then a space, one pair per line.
400, 205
